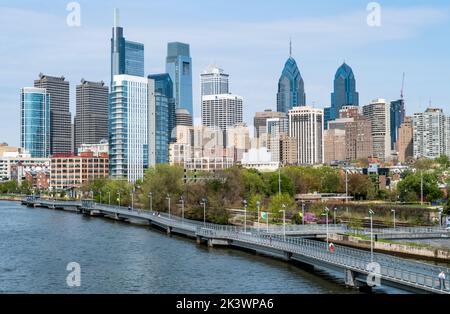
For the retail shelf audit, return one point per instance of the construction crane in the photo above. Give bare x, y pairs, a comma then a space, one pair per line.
403, 87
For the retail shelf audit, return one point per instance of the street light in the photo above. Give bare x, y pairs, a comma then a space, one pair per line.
371, 213
245, 215
132, 199
203, 202
326, 214
118, 193
258, 204
393, 211
150, 197
168, 198
440, 211
182, 208
303, 212
284, 220
334, 217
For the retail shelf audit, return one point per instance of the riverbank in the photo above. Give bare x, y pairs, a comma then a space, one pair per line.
410, 250
11, 198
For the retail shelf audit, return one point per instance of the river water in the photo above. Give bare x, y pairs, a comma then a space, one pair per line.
36, 245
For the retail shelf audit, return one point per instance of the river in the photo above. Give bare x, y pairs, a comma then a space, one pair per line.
36, 245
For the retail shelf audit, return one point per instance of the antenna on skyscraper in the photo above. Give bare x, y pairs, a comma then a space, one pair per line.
116, 17
290, 47
403, 87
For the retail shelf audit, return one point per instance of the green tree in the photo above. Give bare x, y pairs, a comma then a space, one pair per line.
276, 204
410, 187
286, 184
360, 186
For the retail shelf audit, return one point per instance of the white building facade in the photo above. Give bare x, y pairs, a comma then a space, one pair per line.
379, 114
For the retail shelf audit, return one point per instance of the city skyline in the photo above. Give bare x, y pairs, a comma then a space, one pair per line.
407, 26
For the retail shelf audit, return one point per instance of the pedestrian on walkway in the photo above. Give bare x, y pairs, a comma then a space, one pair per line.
442, 278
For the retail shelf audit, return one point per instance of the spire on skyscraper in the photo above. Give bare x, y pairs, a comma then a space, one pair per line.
290, 47
116, 17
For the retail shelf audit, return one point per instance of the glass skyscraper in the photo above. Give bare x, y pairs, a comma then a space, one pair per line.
35, 122
291, 89
130, 127
214, 81
127, 57
397, 119
164, 115
179, 67
344, 93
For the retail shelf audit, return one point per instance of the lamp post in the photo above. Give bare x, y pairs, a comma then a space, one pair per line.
371, 213
245, 215
346, 184
421, 187
150, 198
168, 199
258, 204
182, 209
334, 216
279, 178
393, 211
326, 219
284, 220
203, 202
267, 220
303, 212
132, 199
440, 211
118, 193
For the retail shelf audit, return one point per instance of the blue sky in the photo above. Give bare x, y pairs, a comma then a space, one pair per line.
249, 39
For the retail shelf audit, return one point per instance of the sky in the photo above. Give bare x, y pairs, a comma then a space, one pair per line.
249, 39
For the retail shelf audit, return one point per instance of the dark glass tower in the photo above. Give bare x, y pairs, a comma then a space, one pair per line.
344, 91
127, 57
291, 89
164, 115
397, 119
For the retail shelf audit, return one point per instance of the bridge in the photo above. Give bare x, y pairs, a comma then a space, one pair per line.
402, 233
354, 264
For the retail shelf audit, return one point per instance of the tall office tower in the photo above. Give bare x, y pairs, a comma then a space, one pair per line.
430, 133
221, 111
35, 121
397, 118
179, 67
260, 120
334, 145
405, 145
349, 112
358, 139
288, 150
306, 125
214, 81
60, 118
131, 127
276, 128
91, 119
183, 118
165, 115
291, 89
344, 93
127, 57
378, 113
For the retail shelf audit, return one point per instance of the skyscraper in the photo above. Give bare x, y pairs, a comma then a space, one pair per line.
260, 120
397, 118
164, 115
344, 90
221, 111
405, 145
378, 113
291, 90
127, 57
35, 121
91, 120
430, 134
214, 81
132, 127
306, 126
276, 128
179, 67
60, 117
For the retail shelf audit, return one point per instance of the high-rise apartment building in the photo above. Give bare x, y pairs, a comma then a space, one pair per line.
260, 120
378, 112
131, 127
60, 117
405, 145
35, 122
165, 115
397, 119
334, 145
214, 81
430, 134
222, 111
179, 67
127, 57
91, 119
276, 128
291, 89
358, 139
306, 126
